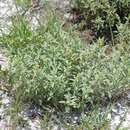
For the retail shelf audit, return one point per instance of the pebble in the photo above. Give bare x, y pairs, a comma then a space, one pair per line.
6, 102
3, 125
2, 113
119, 115
118, 110
56, 127
3, 62
34, 125
1, 93
31, 111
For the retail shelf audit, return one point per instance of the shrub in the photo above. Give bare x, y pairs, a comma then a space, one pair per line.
103, 16
123, 35
51, 66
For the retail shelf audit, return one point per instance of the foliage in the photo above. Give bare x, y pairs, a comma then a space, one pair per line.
23, 3
51, 66
123, 35
103, 15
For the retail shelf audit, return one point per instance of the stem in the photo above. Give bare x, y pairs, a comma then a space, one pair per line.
112, 37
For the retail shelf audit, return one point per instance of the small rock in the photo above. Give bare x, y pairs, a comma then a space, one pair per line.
4, 95
125, 124
109, 116
32, 112
67, 16
56, 127
76, 120
3, 125
34, 125
1, 93
6, 102
2, 113
118, 110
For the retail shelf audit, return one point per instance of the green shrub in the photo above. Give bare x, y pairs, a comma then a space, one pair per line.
51, 66
123, 35
103, 16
